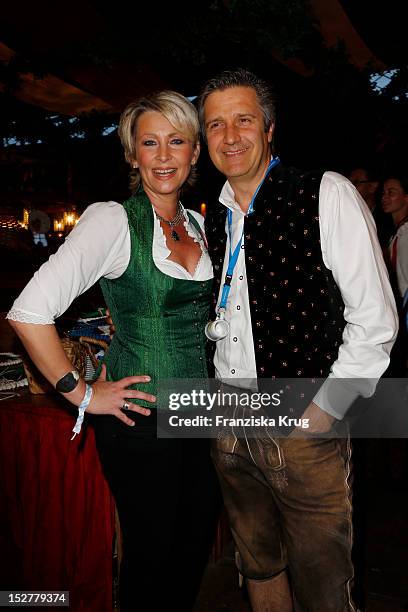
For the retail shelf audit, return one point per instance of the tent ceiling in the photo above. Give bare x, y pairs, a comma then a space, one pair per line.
77, 78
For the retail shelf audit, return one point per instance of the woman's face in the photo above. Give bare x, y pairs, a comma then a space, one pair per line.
394, 198
163, 155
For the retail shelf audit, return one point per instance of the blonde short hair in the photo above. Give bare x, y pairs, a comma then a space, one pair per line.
175, 108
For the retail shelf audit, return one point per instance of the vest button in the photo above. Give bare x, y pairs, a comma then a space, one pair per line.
232, 371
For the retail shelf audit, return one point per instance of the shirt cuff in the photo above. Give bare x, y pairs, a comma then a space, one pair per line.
336, 395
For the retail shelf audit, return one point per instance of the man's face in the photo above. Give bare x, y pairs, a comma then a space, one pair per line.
238, 145
360, 180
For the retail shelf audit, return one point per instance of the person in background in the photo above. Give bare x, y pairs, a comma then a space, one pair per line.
395, 203
309, 296
150, 257
367, 183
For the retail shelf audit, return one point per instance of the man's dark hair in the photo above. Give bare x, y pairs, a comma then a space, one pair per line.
240, 78
370, 171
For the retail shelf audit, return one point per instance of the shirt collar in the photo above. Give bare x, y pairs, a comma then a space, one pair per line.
227, 197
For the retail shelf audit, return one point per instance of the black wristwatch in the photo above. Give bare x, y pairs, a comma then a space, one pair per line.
68, 382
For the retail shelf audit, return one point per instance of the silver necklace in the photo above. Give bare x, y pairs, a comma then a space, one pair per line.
173, 222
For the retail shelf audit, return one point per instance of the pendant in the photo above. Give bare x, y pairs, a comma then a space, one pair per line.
175, 235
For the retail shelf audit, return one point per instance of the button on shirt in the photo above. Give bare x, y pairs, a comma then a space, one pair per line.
351, 251
235, 355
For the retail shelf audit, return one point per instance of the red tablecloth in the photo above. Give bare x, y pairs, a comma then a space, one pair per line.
56, 511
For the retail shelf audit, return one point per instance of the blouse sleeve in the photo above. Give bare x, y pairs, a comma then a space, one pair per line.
99, 246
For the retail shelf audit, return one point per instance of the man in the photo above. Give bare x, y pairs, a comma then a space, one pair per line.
309, 296
366, 182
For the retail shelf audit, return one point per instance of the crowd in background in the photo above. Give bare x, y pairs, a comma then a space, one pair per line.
387, 198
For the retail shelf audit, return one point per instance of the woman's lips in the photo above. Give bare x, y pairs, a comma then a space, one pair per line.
164, 172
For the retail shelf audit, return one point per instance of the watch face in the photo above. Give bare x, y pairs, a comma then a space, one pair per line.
68, 382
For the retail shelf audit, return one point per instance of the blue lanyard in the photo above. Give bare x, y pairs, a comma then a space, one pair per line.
233, 256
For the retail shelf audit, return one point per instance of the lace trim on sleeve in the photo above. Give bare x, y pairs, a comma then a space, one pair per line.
28, 317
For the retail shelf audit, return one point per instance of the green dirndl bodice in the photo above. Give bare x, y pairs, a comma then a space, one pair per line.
159, 320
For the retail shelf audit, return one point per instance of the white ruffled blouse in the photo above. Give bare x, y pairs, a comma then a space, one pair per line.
99, 246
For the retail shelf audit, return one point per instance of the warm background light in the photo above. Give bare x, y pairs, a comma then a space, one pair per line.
69, 218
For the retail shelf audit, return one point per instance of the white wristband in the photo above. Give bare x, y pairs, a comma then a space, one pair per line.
81, 410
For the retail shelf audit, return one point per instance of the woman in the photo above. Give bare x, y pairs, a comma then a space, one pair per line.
155, 273
395, 202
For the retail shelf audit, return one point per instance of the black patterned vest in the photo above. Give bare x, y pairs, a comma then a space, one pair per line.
296, 306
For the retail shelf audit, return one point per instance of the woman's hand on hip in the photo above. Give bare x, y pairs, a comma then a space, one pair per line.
112, 397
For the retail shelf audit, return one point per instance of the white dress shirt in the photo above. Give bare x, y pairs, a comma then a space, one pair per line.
351, 251
98, 246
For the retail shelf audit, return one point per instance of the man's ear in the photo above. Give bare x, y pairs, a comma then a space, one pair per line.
270, 132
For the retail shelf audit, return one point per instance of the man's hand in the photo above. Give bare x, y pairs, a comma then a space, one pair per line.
319, 421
